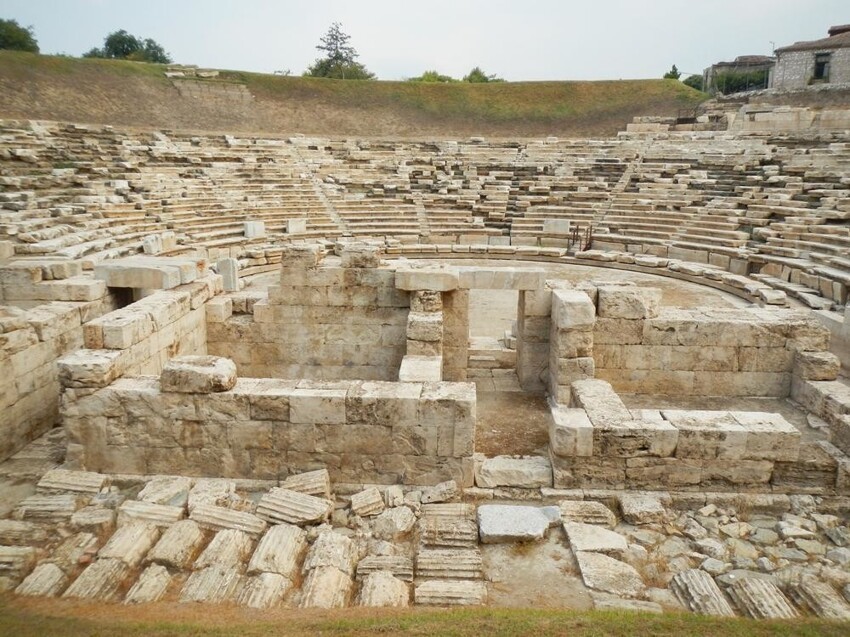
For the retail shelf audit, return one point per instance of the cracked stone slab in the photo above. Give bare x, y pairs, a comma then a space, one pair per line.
332, 549
317, 483
367, 502
820, 598
590, 537
587, 512
638, 508
65, 481
603, 573
168, 490
511, 471
393, 524
214, 584
218, 518
499, 523
161, 515
760, 599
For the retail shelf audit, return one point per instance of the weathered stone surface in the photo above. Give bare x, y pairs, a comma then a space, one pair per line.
150, 587
442, 492
641, 508
279, 551
570, 433
130, 543
393, 523
215, 491
441, 531
628, 302
587, 512
214, 584
167, 490
16, 532
178, 545
46, 580
64, 481
511, 471
572, 309
508, 523
317, 483
760, 599
198, 375
97, 519
450, 593
75, 550
820, 598
603, 573
100, 581
229, 548
265, 590
697, 592
326, 587
334, 550
161, 515
449, 509
603, 406
217, 518
590, 537
15, 563
398, 566
816, 365
367, 502
284, 505
381, 589
47, 508
449, 564
606, 601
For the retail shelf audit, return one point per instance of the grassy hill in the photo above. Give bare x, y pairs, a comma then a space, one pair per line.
139, 94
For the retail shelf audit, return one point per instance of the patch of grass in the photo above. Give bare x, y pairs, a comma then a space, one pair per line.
220, 621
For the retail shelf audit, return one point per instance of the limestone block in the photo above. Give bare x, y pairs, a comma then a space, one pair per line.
394, 523
380, 589
89, 368
556, 226
295, 226
426, 301
450, 593
635, 438
420, 369
147, 273
398, 566
441, 492
641, 508
514, 471
332, 550
587, 512
229, 548
317, 483
169, 490
75, 550
820, 598
570, 432
16, 562
263, 591
219, 309
283, 505
359, 255
178, 545
761, 599
498, 523
198, 375
229, 271
603, 406
769, 436
629, 302
47, 508
443, 531
591, 537
130, 543
317, 406
152, 244
279, 551
697, 592
449, 564
46, 580
604, 573
150, 587
254, 229
572, 309
213, 585
816, 365
215, 491
425, 326
100, 581
216, 518
160, 515
326, 587
62, 480
434, 279
707, 434
16, 532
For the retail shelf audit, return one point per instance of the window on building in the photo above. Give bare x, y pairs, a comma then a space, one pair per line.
822, 67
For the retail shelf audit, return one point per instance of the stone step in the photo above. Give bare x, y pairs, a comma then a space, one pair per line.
263, 591
820, 598
449, 564
62, 480
100, 581
451, 593
178, 546
46, 580
397, 565
284, 505
279, 551
215, 584
130, 543
150, 587
217, 518
229, 548
697, 591
760, 599
160, 515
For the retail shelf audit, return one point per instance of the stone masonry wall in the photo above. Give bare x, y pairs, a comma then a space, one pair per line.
794, 69
373, 432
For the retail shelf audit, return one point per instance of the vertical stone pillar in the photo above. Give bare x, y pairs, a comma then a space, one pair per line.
455, 334
229, 270
532, 338
571, 342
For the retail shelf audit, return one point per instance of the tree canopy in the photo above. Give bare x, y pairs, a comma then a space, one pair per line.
121, 45
476, 75
432, 76
673, 74
14, 36
694, 81
340, 60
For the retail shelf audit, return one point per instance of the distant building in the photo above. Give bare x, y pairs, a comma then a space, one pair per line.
745, 73
817, 62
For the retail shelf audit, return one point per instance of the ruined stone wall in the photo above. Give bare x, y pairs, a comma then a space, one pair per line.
373, 432
339, 319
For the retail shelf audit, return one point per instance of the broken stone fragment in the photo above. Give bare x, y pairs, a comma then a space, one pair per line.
198, 375
381, 589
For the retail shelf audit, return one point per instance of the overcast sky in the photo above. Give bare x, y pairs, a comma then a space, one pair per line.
517, 40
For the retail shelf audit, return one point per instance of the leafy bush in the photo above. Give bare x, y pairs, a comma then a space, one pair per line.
694, 81
737, 81
121, 45
14, 36
673, 73
476, 75
432, 76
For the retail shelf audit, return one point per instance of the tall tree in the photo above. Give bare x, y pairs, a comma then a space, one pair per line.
673, 74
340, 60
14, 36
120, 45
